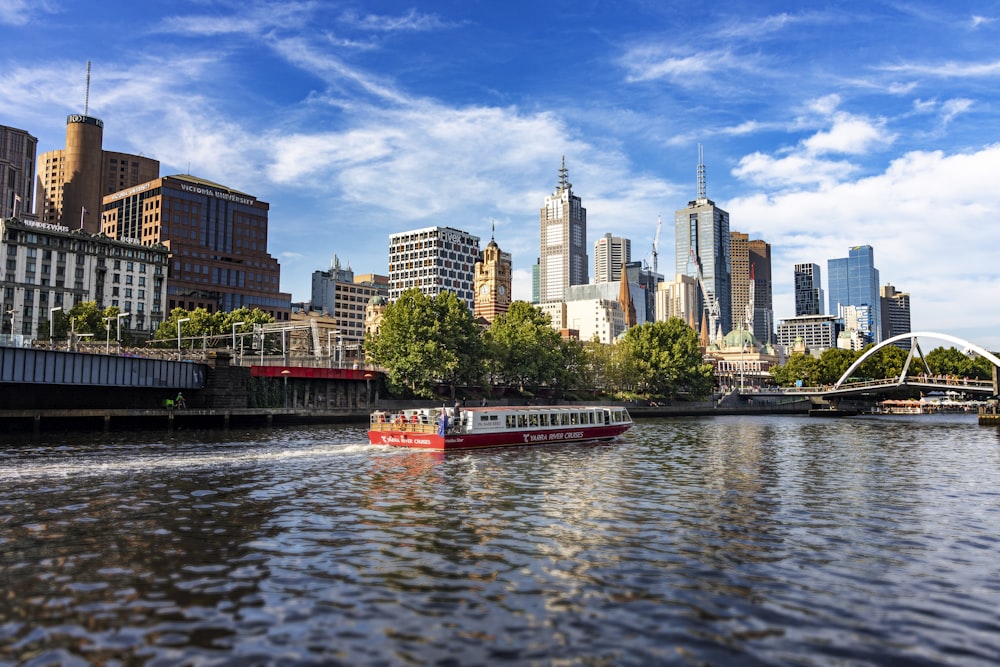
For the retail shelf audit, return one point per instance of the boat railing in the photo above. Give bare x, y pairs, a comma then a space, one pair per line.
404, 427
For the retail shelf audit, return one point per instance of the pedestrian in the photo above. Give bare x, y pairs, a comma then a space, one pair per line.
179, 402
484, 401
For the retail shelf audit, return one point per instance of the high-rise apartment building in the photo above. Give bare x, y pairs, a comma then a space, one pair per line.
217, 238
563, 260
813, 332
610, 254
678, 298
808, 290
72, 181
493, 282
17, 173
739, 271
702, 241
854, 281
895, 314
433, 260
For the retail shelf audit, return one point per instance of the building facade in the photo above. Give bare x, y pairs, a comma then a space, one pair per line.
815, 332
47, 266
434, 260
72, 181
341, 299
895, 314
610, 254
217, 238
808, 290
600, 319
563, 233
678, 298
854, 281
493, 282
18, 151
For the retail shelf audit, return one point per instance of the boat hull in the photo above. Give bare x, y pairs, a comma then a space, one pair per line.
495, 439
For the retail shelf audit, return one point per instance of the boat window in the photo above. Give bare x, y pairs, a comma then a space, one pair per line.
522, 420
533, 420
544, 417
511, 423
564, 419
574, 418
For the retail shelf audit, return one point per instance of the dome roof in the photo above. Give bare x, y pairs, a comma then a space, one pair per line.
738, 338
378, 300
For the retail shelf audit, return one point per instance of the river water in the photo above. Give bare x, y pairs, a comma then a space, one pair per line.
733, 540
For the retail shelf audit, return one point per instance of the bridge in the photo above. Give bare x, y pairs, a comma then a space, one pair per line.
923, 380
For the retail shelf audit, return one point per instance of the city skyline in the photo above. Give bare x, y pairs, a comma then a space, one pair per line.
359, 121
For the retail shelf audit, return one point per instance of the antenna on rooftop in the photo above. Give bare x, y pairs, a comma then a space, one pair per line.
701, 173
86, 98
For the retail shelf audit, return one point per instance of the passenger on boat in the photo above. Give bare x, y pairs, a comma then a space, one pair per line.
443, 422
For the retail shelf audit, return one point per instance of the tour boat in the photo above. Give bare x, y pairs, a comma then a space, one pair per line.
474, 428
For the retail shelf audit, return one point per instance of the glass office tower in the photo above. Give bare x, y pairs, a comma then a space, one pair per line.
854, 281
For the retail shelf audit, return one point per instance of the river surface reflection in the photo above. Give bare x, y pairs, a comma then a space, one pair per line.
764, 540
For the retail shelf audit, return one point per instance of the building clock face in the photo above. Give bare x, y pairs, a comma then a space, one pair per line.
484, 290
502, 290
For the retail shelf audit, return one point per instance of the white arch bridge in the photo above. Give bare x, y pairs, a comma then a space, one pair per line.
923, 379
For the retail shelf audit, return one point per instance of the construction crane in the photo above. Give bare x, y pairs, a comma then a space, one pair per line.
656, 245
711, 303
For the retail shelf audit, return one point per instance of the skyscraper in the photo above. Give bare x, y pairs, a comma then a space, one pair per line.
763, 300
610, 254
853, 281
895, 314
17, 173
808, 290
701, 238
563, 234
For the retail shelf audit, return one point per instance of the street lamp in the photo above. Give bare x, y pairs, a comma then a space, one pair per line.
119, 318
52, 329
236, 324
179, 323
107, 340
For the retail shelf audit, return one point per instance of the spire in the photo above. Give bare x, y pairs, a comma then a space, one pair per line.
702, 190
625, 299
564, 183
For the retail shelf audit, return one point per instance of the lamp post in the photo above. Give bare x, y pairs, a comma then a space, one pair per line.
368, 390
118, 335
329, 345
236, 324
107, 340
52, 326
179, 323
285, 374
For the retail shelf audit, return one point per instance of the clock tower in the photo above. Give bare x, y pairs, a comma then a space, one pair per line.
492, 282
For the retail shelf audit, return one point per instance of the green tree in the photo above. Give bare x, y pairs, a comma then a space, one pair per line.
951, 361
800, 367
667, 359
886, 363
832, 364
523, 348
423, 342
212, 329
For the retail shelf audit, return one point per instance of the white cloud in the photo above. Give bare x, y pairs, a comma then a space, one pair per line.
23, 12
849, 134
412, 21
927, 216
650, 63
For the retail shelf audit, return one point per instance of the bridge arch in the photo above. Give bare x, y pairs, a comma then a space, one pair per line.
913, 337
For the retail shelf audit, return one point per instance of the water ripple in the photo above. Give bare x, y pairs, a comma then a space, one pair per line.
777, 541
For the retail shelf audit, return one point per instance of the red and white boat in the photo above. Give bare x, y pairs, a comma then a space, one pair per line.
476, 428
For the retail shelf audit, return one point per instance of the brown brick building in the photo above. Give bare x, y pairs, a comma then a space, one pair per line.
217, 239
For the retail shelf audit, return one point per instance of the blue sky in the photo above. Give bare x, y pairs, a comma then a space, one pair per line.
824, 126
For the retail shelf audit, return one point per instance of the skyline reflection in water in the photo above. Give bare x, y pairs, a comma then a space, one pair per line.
765, 540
